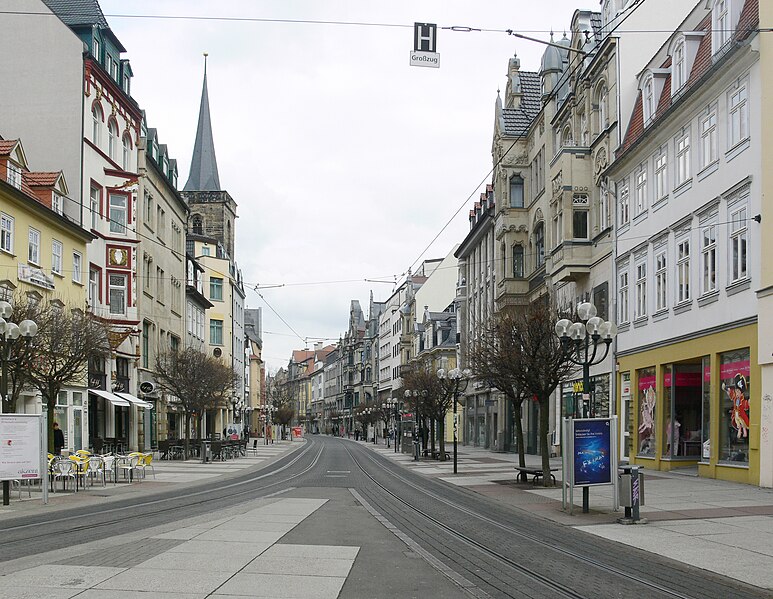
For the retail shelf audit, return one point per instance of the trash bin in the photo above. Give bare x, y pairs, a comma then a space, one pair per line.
630, 490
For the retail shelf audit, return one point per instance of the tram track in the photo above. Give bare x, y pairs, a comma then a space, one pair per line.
154, 506
637, 585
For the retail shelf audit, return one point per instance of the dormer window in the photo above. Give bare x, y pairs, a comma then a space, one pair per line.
96, 49
721, 25
126, 84
648, 99
13, 175
56, 202
678, 68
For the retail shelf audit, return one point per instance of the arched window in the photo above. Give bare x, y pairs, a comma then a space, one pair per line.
601, 101
516, 191
539, 244
566, 137
197, 225
112, 140
127, 151
97, 116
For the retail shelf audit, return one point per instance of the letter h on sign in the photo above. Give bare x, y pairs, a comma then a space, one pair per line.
424, 37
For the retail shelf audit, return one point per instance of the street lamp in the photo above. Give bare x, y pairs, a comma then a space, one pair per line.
266, 410
581, 342
10, 333
413, 393
458, 381
365, 414
390, 407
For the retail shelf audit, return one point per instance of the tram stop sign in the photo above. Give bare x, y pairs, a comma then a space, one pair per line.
424, 52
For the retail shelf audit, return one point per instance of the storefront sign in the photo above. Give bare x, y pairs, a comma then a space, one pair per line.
35, 276
21, 446
592, 442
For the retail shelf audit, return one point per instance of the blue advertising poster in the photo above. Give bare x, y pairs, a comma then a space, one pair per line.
592, 452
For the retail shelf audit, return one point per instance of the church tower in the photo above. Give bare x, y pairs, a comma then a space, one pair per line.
213, 210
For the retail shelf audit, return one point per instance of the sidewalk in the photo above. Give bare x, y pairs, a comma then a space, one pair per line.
715, 525
168, 473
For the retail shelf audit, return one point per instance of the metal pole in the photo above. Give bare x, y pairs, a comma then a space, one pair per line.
585, 389
456, 433
4, 390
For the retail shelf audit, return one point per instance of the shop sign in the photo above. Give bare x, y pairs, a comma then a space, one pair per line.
35, 276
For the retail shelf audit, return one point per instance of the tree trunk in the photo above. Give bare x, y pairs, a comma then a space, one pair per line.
50, 396
519, 433
187, 436
432, 433
442, 435
544, 423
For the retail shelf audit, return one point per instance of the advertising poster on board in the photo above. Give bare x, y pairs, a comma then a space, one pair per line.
592, 452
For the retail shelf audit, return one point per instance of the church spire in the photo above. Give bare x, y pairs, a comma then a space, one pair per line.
203, 174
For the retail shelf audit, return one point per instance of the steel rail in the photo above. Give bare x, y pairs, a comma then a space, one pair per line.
510, 530
46, 524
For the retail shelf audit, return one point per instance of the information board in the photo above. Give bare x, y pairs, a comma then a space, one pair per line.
21, 446
592, 455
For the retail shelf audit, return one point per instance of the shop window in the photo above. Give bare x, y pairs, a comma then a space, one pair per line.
647, 399
734, 406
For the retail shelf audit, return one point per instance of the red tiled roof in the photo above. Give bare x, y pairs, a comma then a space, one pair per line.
6, 145
42, 179
747, 23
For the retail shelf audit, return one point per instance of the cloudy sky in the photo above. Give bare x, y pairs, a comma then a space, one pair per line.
344, 160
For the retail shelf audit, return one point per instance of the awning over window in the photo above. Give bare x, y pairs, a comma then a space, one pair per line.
136, 400
111, 397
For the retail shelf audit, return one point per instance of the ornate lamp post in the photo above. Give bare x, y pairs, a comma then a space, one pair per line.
581, 341
390, 408
458, 381
267, 410
10, 333
366, 413
413, 393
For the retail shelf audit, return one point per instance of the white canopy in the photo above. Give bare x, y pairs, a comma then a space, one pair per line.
111, 397
135, 400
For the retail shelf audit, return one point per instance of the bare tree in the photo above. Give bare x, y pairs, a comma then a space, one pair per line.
283, 399
198, 381
20, 355
495, 357
543, 364
66, 339
430, 401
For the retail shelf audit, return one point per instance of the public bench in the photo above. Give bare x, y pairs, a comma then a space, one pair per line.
524, 472
435, 455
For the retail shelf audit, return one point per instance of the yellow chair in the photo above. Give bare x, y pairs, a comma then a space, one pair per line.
145, 462
81, 469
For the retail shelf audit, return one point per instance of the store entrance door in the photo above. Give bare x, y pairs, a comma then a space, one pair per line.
683, 410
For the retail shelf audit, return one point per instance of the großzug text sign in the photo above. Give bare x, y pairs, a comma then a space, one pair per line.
424, 53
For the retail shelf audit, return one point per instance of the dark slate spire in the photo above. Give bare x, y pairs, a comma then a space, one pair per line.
203, 174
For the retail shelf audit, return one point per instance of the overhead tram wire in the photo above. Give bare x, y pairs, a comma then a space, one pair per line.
226, 19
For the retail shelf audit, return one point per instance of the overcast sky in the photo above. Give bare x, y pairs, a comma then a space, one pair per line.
344, 160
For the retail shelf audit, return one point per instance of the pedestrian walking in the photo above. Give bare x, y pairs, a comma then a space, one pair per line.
58, 439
